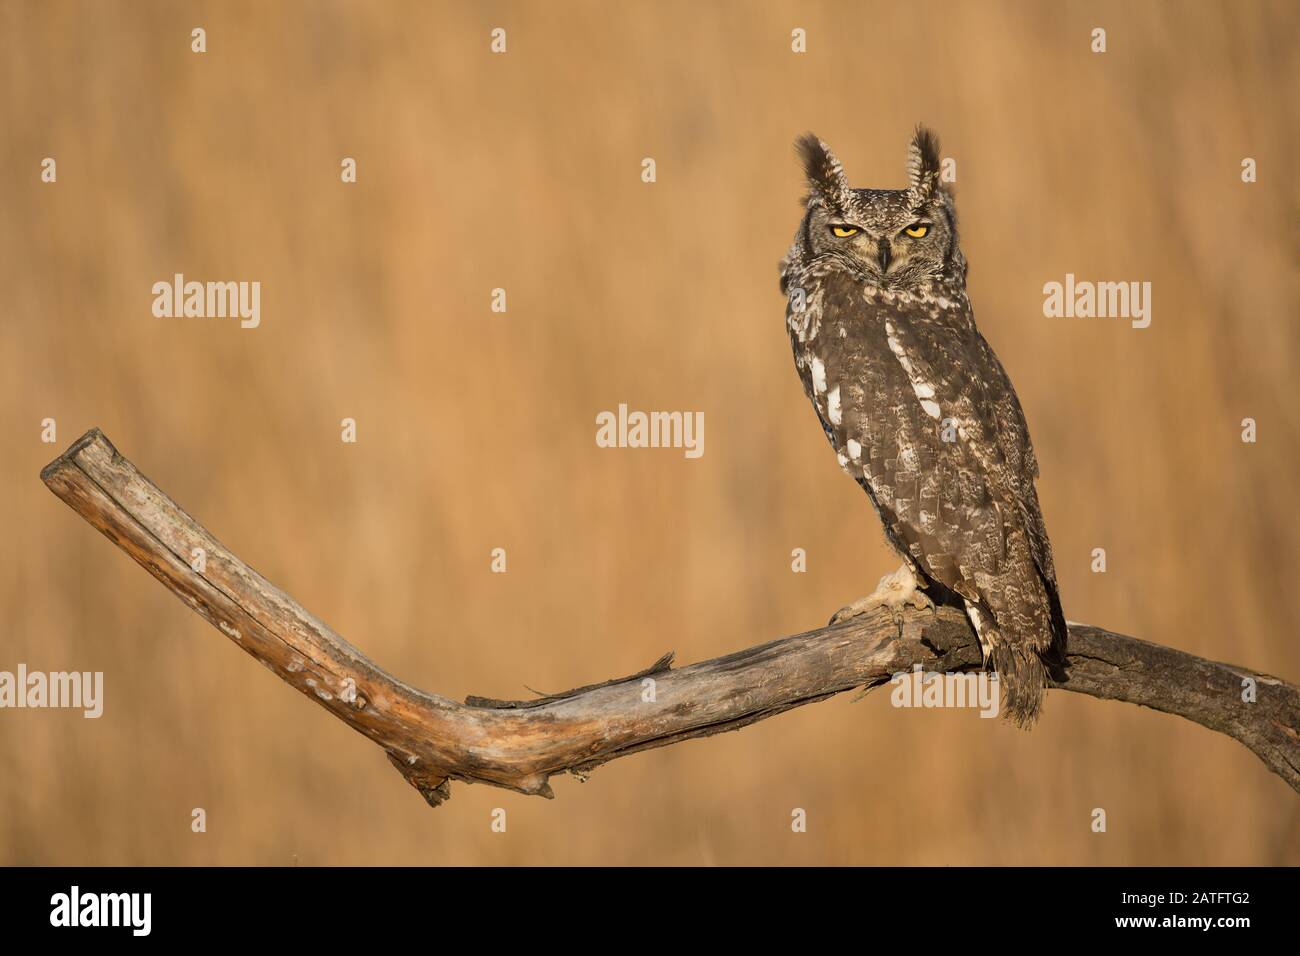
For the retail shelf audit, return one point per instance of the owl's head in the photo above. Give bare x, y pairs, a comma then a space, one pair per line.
898, 237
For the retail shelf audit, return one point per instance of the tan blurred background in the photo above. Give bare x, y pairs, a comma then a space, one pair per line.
477, 430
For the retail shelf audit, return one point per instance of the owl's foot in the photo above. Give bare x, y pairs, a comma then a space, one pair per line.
895, 591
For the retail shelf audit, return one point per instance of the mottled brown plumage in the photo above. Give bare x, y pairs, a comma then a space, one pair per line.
920, 411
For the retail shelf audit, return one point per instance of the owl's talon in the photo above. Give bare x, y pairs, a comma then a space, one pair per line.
894, 592
843, 614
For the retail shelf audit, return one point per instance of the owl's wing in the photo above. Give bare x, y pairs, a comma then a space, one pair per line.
954, 519
959, 383
1013, 437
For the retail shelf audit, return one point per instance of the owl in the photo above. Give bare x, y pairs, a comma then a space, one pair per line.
921, 413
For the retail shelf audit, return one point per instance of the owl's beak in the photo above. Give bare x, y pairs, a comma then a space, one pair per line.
882, 254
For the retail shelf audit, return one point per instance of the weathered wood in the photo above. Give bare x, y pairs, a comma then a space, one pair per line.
520, 744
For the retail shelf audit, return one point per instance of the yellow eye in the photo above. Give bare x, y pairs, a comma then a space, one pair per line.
917, 230
843, 232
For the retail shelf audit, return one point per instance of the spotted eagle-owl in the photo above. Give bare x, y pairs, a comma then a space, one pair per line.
921, 413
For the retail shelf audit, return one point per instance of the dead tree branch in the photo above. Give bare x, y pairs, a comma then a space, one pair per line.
520, 744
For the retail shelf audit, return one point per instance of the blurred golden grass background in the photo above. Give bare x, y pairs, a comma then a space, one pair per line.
477, 430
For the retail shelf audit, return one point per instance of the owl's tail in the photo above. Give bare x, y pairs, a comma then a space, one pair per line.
1026, 667
1023, 675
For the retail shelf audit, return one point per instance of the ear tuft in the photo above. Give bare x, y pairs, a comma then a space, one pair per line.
922, 167
825, 174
